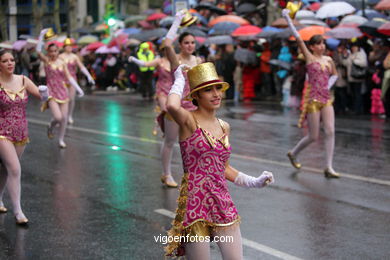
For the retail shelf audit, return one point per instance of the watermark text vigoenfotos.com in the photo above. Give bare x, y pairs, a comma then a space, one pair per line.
164, 239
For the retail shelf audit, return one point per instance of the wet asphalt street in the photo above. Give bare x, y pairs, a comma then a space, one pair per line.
101, 198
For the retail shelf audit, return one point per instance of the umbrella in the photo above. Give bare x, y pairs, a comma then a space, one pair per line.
195, 31
304, 14
282, 23
383, 5
19, 45
334, 9
219, 40
346, 31
224, 28
156, 16
84, 51
385, 28
315, 6
86, 39
371, 27
201, 18
83, 30
354, 19
94, 46
210, 7
166, 22
132, 42
307, 32
313, 22
332, 43
101, 27
280, 63
25, 36
246, 30
134, 19
106, 50
228, 18
371, 14
246, 8
145, 25
118, 41
245, 56
149, 35
6, 45
131, 30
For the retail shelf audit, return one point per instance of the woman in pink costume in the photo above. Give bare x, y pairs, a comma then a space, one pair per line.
14, 90
205, 207
57, 76
318, 105
73, 62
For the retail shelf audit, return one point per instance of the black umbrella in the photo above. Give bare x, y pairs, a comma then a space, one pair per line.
279, 63
210, 7
246, 8
219, 40
246, 56
223, 28
149, 35
166, 22
371, 28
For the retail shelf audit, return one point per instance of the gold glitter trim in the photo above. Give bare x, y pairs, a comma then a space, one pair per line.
45, 104
23, 142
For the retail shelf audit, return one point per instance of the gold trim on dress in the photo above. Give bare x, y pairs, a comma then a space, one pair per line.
45, 104
22, 142
12, 95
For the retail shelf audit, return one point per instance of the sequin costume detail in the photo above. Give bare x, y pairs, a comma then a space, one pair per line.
204, 195
72, 67
13, 122
317, 94
56, 82
164, 82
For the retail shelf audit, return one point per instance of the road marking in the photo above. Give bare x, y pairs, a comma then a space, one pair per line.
245, 157
246, 242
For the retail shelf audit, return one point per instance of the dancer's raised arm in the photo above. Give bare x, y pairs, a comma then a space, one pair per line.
40, 45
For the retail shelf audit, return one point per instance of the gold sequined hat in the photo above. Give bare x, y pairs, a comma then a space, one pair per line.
49, 35
188, 19
294, 8
68, 42
202, 76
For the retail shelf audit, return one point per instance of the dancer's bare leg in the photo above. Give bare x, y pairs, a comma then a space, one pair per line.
230, 242
72, 102
64, 110
327, 114
10, 155
170, 138
198, 250
313, 121
60, 116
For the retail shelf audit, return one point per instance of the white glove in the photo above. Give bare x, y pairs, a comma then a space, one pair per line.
332, 80
88, 75
133, 59
44, 92
175, 25
247, 181
74, 84
40, 40
285, 14
180, 81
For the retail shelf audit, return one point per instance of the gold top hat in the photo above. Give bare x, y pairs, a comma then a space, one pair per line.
294, 8
202, 76
50, 34
188, 19
68, 42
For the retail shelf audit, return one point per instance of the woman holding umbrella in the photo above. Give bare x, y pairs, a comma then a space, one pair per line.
58, 76
73, 62
317, 104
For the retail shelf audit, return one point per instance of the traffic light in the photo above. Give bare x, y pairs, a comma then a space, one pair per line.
109, 15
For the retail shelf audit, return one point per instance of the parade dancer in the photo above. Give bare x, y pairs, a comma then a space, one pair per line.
205, 208
322, 74
14, 90
73, 62
57, 76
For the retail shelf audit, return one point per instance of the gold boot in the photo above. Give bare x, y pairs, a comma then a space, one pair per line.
331, 174
169, 184
294, 161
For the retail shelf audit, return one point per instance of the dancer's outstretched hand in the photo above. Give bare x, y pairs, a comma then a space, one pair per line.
286, 13
180, 14
44, 92
265, 178
179, 71
80, 93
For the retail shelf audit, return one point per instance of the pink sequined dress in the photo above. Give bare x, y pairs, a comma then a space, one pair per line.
57, 83
72, 68
204, 195
13, 122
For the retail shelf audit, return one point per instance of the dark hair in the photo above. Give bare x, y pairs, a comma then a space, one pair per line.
185, 34
4, 51
316, 39
195, 102
51, 45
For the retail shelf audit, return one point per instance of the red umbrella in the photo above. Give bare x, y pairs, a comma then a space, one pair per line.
94, 46
228, 18
118, 41
383, 5
156, 16
385, 29
307, 32
315, 6
246, 30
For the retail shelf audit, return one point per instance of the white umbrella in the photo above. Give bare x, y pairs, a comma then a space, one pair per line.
313, 22
344, 32
354, 19
304, 14
105, 50
334, 9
